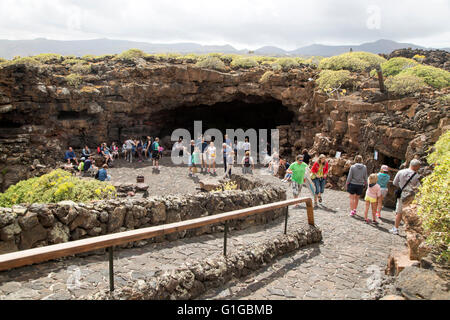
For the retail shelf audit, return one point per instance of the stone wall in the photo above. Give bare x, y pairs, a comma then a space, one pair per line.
191, 280
37, 225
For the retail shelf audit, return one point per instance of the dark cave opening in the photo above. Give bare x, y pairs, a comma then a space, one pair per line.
262, 114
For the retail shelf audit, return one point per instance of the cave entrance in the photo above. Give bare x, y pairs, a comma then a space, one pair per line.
391, 162
262, 114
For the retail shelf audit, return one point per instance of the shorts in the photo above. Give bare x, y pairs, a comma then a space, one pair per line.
355, 189
384, 192
371, 200
296, 188
212, 159
155, 154
203, 157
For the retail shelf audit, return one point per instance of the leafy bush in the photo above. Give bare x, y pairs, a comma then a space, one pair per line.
228, 58
72, 61
419, 58
2, 60
435, 77
28, 61
131, 55
74, 79
81, 68
244, 63
58, 185
287, 63
264, 60
396, 65
444, 100
434, 198
330, 80
352, 61
212, 63
404, 84
266, 77
49, 57
88, 57
227, 186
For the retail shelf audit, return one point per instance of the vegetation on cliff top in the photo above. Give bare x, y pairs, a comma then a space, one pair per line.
352, 61
405, 84
212, 63
59, 185
434, 198
332, 81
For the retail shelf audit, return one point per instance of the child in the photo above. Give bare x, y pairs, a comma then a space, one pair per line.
247, 164
383, 180
211, 151
372, 194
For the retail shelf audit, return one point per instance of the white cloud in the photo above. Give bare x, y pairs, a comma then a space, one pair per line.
243, 23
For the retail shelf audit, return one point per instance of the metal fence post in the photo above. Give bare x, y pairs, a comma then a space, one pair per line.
111, 268
225, 235
286, 220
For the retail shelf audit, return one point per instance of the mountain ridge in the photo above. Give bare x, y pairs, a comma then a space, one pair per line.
12, 48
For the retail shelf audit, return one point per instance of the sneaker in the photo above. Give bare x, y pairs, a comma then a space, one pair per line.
394, 231
368, 221
378, 215
375, 222
352, 213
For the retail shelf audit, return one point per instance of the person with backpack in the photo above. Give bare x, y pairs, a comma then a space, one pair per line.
406, 181
247, 164
383, 180
155, 154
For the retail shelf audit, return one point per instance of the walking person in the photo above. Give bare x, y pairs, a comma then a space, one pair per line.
298, 169
319, 177
383, 180
407, 181
155, 154
373, 194
203, 148
248, 165
356, 181
211, 151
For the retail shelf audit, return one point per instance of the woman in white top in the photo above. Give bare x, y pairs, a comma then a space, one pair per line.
211, 151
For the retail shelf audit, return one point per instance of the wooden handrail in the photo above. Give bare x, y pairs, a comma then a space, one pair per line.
27, 257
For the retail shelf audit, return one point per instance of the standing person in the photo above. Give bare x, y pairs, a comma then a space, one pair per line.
383, 180
211, 151
129, 150
203, 148
298, 169
319, 176
155, 154
225, 150
356, 180
248, 165
230, 162
228, 141
148, 152
407, 181
179, 148
140, 149
306, 157
247, 146
373, 193
191, 163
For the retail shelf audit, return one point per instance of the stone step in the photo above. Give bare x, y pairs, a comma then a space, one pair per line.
398, 261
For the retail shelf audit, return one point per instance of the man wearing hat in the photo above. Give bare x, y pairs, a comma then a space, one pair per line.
383, 180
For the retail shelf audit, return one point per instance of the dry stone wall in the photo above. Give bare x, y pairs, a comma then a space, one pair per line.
36, 225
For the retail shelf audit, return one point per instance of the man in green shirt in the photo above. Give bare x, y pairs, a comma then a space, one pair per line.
297, 169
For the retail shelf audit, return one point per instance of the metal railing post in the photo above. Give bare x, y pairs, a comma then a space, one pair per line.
286, 220
111, 268
225, 235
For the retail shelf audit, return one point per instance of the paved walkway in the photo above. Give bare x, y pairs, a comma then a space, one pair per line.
335, 269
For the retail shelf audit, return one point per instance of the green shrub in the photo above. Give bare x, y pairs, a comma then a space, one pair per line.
212, 63
435, 77
2, 60
404, 84
228, 58
58, 185
396, 65
288, 63
352, 61
105, 57
74, 79
49, 57
434, 198
131, 55
276, 66
28, 61
243, 63
88, 57
330, 80
444, 100
266, 77
73, 61
264, 60
81, 68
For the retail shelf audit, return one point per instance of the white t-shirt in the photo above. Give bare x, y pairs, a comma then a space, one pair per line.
246, 146
211, 151
129, 144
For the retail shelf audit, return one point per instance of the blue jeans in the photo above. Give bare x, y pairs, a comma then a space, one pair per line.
319, 183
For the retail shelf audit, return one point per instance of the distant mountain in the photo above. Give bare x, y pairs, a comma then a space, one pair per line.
380, 46
11, 48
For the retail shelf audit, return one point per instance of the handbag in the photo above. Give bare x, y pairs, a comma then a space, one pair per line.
399, 191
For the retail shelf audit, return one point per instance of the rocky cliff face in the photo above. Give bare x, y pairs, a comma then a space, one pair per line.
41, 114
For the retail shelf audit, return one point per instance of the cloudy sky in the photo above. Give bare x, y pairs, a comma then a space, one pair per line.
288, 24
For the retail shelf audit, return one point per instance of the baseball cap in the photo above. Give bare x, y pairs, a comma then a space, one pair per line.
384, 168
